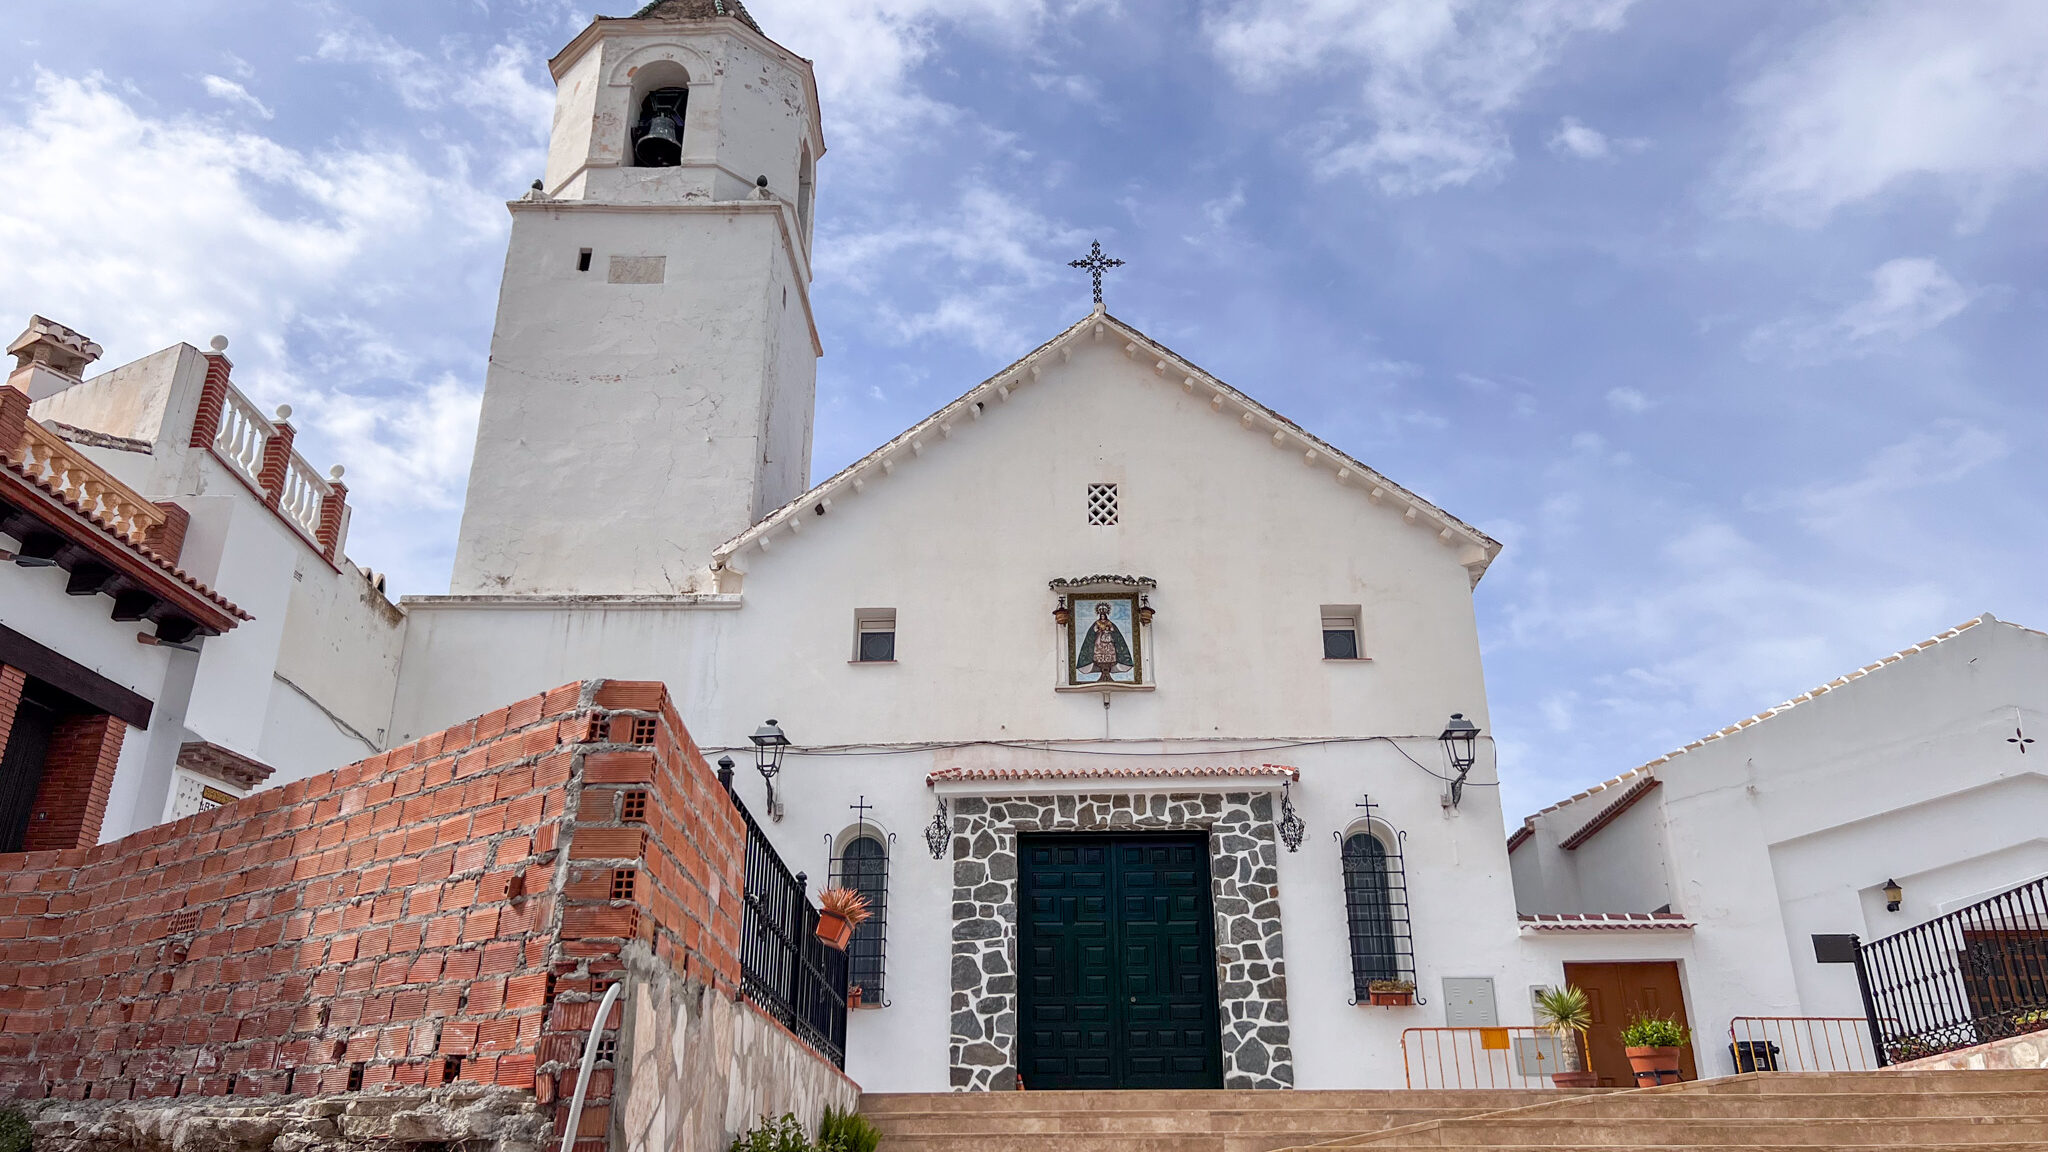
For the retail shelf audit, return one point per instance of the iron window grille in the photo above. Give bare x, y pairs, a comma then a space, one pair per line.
1376, 909
863, 865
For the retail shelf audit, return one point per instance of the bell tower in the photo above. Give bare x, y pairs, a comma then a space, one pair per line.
654, 364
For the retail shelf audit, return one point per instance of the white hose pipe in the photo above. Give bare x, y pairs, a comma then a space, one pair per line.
604, 1009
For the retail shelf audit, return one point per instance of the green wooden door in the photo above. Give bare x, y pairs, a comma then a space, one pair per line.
1118, 980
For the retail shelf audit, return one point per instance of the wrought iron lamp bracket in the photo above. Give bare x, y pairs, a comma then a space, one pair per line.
937, 833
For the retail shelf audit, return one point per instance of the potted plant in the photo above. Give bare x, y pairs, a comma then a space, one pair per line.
1391, 993
1566, 1014
853, 997
840, 911
1653, 1043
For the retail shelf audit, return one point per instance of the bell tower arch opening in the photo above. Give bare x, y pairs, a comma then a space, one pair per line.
660, 103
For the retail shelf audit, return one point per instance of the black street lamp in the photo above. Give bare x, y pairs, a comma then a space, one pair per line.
769, 741
1893, 895
1460, 739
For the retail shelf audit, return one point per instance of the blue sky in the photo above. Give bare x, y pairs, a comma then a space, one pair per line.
1728, 319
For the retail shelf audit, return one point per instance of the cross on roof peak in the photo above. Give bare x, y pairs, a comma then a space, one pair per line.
1095, 264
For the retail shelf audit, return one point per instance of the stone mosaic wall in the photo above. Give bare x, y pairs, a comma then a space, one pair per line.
1251, 975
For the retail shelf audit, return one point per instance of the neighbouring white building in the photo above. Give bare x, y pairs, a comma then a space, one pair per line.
1917, 772
154, 503
1153, 724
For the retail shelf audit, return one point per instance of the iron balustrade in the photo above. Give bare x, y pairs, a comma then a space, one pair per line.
1517, 1057
1800, 1044
1973, 976
784, 967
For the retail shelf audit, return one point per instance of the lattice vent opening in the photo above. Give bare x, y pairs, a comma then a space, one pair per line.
1102, 505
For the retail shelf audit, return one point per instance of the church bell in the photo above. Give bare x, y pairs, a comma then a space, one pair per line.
658, 138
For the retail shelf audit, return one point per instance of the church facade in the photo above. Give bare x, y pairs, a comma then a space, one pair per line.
1119, 691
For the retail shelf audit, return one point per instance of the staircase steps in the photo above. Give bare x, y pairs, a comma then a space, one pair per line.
1169, 1121
1868, 1110
1936, 1111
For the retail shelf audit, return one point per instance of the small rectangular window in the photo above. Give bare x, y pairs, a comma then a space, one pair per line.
874, 636
1340, 632
1102, 505
583, 260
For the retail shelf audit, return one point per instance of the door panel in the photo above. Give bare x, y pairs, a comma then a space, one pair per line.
1618, 993
1134, 1006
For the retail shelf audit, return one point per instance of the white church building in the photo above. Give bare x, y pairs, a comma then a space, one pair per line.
1009, 648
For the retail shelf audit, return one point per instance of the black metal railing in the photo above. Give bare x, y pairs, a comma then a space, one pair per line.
1973, 976
784, 967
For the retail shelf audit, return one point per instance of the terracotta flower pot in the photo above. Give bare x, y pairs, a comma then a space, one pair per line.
1391, 999
835, 930
1654, 1065
853, 997
1575, 1079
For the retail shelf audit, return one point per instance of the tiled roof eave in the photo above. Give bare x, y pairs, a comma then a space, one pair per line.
1111, 776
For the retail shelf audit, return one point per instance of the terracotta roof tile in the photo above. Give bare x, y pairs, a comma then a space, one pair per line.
1606, 922
948, 775
93, 518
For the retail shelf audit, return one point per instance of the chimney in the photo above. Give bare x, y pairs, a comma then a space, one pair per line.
49, 358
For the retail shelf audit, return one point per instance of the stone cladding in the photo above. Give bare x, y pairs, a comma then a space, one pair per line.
1244, 878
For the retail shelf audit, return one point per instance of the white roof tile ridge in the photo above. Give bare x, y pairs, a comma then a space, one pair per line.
1018, 372
1767, 713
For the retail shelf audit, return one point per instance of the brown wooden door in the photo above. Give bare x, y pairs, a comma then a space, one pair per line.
1619, 992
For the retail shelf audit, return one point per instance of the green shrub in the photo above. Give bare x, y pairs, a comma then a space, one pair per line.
15, 1134
847, 1132
1654, 1032
784, 1135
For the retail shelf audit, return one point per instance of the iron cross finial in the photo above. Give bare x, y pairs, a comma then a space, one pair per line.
1095, 265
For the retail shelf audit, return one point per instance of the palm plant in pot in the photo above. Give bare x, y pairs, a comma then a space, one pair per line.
840, 911
1653, 1043
1566, 1014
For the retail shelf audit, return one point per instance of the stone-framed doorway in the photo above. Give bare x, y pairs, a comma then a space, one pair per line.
1251, 975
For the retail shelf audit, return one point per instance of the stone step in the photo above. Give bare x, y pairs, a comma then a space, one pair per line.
886, 1103
1510, 1131
2007, 1146
1220, 1121
1889, 1080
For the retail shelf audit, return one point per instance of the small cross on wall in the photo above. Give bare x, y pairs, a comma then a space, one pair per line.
1095, 265
2020, 738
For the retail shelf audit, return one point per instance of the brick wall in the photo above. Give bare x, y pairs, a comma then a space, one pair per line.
453, 908
78, 773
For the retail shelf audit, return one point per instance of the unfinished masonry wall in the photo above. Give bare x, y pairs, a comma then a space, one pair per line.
449, 911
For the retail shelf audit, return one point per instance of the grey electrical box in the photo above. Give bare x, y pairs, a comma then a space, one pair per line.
1468, 1002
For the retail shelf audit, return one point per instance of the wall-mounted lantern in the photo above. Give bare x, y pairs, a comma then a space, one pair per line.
1460, 739
1893, 894
769, 741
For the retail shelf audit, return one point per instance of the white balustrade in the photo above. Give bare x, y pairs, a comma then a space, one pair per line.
49, 460
304, 493
243, 432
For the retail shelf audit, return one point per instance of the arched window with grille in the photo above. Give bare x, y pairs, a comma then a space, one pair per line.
1376, 908
864, 867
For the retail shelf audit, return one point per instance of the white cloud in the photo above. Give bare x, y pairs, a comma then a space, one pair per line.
1441, 76
222, 88
1908, 296
1627, 400
867, 52
1943, 454
984, 253
194, 228
1886, 92
1574, 138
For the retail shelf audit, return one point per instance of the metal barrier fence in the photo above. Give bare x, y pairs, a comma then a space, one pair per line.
1973, 976
1801, 1044
784, 967
1521, 1057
